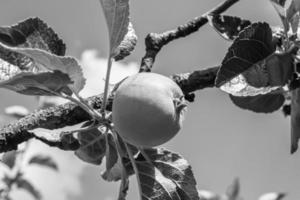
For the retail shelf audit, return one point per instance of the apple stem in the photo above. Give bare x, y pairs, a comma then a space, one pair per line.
106, 86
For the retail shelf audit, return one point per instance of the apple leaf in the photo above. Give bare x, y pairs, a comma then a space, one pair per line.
127, 45
233, 191
117, 19
281, 7
32, 33
115, 172
252, 45
228, 26
168, 177
37, 72
9, 158
16, 111
26, 185
44, 160
261, 103
272, 196
208, 195
295, 119
111, 152
92, 146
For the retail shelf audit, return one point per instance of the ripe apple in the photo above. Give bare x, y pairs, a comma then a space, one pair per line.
148, 109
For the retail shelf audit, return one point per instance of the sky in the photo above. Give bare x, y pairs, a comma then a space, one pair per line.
218, 139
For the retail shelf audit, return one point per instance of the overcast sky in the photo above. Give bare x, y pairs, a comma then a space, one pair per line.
219, 140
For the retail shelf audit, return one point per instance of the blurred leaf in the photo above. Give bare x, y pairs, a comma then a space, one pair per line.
23, 70
272, 196
228, 26
207, 195
111, 152
169, 177
292, 15
295, 119
92, 146
32, 33
261, 103
44, 160
281, 7
123, 189
127, 45
233, 191
9, 158
253, 44
26, 185
16, 111
117, 19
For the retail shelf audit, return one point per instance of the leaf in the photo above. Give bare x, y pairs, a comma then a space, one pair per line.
253, 44
111, 152
33, 33
9, 158
208, 195
35, 72
295, 119
261, 103
115, 172
281, 7
117, 19
169, 177
26, 185
233, 191
92, 146
44, 160
228, 26
292, 15
272, 196
127, 45
16, 111
263, 77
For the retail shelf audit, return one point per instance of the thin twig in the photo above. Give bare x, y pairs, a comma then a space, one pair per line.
154, 41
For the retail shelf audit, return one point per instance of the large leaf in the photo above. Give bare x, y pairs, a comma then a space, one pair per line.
32, 33
228, 26
24, 70
295, 119
92, 146
263, 77
169, 177
117, 19
252, 45
44, 160
261, 103
26, 185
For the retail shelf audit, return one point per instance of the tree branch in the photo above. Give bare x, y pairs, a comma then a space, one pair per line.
154, 41
70, 114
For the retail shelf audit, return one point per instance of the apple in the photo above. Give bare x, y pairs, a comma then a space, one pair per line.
148, 109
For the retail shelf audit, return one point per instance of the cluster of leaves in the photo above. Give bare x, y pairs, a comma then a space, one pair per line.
14, 167
258, 72
15, 170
